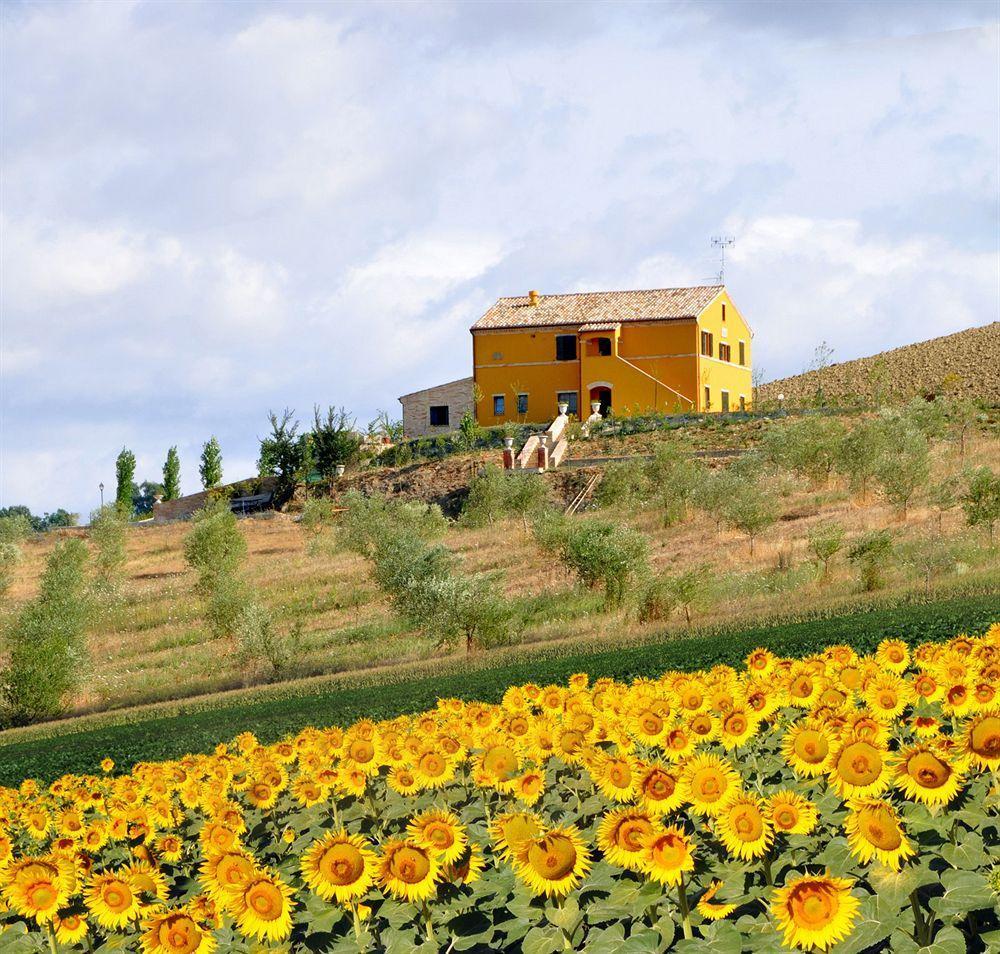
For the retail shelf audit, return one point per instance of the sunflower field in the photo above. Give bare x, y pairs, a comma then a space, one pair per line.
839, 801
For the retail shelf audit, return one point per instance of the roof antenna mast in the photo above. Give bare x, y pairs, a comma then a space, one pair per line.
722, 242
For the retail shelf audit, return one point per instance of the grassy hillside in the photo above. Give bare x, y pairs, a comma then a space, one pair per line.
155, 644
964, 364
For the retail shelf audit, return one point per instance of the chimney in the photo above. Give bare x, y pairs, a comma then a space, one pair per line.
532, 297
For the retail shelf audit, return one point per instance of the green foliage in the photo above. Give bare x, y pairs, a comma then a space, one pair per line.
711, 493
260, 641
172, 475
689, 589
144, 496
809, 446
674, 476
318, 520
214, 546
370, 518
469, 431
283, 453
624, 484
905, 467
944, 494
125, 473
981, 500
108, 532
15, 528
48, 521
47, 653
227, 596
861, 453
751, 509
495, 494
928, 417
604, 554
872, 553
825, 541
386, 427
152, 735
210, 467
335, 440
10, 556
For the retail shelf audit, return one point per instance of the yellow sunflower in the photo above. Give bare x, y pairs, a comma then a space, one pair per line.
433, 770
175, 932
981, 740
807, 748
615, 776
893, 654
553, 863
225, 874
263, 907
859, 769
791, 813
70, 928
441, 832
667, 855
622, 835
403, 780
339, 867
712, 910
924, 775
875, 831
512, 830
737, 727
468, 868
815, 911
658, 788
38, 887
706, 782
111, 899
145, 879
408, 871
743, 826
886, 696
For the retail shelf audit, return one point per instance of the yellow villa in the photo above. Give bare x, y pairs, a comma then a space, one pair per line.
667, 349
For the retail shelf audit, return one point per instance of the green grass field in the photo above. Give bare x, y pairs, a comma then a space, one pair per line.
49, 751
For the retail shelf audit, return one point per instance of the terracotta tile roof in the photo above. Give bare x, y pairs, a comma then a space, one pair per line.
592, 307
600, 326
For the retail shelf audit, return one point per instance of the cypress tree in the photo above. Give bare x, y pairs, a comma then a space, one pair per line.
172, 475
125, 472
211, 464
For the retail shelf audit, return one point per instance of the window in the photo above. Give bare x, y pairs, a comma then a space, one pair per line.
723, 311
522, 404
706, 343
565, 347
725, 402
498, 405
743, 352
743, 402
724, 351
439, 415
708, 397
570, 398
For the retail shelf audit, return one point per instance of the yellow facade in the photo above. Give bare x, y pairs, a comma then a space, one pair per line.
639, 366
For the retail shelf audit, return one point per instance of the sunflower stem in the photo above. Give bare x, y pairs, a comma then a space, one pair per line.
52, 939
357, 920
768, 876
428, 921
920, 925
685, 910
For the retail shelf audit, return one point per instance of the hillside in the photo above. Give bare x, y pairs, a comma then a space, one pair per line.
965, 364
156, 644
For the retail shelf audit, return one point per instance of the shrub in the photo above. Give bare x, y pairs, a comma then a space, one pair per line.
861, 453
712, 492
335, 440
108, 530
945, 494
214, 546
318, 517
14, 528
905, 466
47, 651
470, 610
751, 508
604, 554
981, 500
871, 554
401, 561
665, 593
495, 494
10, 556
624, 484
369, 518
809, 446
674, 477
825, 542
657, 599
259, 639
228, 597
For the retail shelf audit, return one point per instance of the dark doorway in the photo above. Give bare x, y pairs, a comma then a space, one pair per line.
604, 396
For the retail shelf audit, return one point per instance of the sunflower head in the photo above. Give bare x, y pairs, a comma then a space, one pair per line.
744, 827
815, 911
667, 855
874, 831
622, 835
263, 907
339, 867
553, 863
439, 831
408, 870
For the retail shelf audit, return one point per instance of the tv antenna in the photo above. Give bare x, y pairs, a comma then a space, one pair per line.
722, 242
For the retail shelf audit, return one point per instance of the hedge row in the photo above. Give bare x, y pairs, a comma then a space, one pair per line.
172, 736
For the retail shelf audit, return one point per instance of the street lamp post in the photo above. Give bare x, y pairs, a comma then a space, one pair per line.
101, 485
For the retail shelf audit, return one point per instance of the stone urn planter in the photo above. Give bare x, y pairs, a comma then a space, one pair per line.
595, 407
339, 470
563, 407
508, 442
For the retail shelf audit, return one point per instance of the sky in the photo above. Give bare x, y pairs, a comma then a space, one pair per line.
210, 209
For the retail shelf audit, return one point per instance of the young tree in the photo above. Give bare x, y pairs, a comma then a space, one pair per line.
469, 610
605, 554
172, 475
981, 500
945, 494
624, 484
871, 554
689, 589
10, 556
125, 472
214, 547
259, 639
905, 467
210, 468
47, 653
108, 530
144, 496
335, 440
861, 454
751, 509
809, 446
825, 542
283, 452
317, 522
962, 416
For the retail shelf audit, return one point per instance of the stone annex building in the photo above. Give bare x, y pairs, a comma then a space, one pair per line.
667, 349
